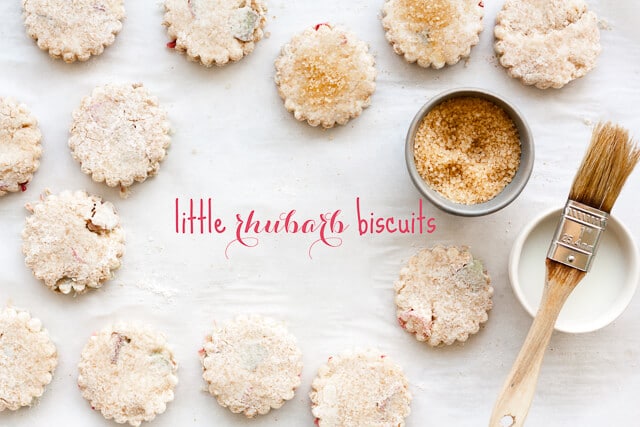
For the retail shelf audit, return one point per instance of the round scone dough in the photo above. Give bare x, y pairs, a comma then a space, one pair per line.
73, 30
215, 32
28, 359
128, 373
443, 295
251, 364
119, 134
325, 75
547, 43
20, 147
360, 388
434, 32
72, 241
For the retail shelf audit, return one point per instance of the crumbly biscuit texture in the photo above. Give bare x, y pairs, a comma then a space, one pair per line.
325, 75
433, 33
119, 134
128, 373
443, 295
547, 43
360, 388
215, 32
251, 365
73, 30
28, 359
20, 148
72, 241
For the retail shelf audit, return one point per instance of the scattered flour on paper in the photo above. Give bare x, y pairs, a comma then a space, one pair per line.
603, 24
153, 286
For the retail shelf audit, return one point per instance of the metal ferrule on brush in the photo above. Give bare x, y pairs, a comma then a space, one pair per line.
578, 234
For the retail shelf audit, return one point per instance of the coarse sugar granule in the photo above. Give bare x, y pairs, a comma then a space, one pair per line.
467, 149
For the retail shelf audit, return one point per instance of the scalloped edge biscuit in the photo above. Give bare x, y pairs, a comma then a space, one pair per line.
547, 43
443, 295
251, 365
73, 30
72, 241
128, 373
28, 359
360, 388
215, 32
119, 134
20, 147
433, 33
325, 75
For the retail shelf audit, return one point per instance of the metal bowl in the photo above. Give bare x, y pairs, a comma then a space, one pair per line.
510, 192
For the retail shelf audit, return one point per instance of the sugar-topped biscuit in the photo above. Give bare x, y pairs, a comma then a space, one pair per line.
128, 373
443, 295
72, 241
435, 32
20, 147
28, 359
325, 75
215, 32
547, 43
73, 30
360, 388
251, 364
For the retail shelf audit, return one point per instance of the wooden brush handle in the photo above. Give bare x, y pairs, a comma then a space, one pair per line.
514, 400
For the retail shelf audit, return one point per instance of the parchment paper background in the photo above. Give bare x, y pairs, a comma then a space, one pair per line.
234, 141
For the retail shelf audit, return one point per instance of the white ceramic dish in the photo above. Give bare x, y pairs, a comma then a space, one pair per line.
600, 297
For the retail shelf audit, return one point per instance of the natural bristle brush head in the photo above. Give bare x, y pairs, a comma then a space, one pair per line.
609, 160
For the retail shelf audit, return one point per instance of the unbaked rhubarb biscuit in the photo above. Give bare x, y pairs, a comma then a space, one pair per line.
20, 147
360, 388
28, 358
443, 295
119, 134
251, 364
434, 32
215, 32
128, 373
547, 43
72, 241
325, 75
73, 30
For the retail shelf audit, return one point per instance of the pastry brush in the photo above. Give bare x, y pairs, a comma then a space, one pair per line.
608, 162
